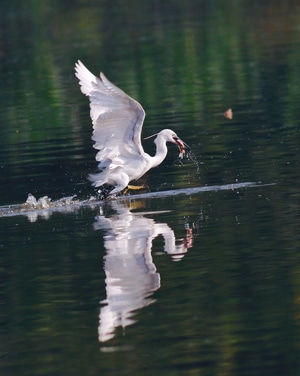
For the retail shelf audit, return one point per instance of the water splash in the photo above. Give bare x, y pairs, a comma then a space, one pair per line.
44, 206
189, 155
193, 158
46, 202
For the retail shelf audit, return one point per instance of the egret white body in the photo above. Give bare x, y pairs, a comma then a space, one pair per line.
117, 125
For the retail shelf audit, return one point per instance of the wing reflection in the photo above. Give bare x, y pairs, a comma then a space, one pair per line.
131, 276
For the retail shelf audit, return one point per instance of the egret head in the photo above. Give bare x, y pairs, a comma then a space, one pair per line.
170, 136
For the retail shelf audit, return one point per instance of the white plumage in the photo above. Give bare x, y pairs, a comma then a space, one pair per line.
117, 124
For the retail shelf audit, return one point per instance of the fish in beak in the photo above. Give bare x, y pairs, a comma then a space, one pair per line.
181, 145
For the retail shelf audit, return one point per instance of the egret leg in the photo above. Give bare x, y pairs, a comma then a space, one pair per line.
132, 187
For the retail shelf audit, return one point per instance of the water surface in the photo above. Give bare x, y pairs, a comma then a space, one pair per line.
204, 282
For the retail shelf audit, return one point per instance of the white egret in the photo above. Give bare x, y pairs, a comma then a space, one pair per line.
117, 125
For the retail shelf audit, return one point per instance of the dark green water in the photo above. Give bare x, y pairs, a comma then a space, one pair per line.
193, 284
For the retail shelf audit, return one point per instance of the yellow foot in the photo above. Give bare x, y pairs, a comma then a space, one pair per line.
132, 187
135, 187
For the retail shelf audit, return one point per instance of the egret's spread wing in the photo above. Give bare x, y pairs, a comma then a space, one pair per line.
117, 118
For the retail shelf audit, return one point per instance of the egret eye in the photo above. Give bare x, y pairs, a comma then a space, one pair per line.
175, 137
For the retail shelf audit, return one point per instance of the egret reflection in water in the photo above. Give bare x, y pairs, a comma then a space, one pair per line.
131, 275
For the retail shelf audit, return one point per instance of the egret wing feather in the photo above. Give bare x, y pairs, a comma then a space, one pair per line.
117, 118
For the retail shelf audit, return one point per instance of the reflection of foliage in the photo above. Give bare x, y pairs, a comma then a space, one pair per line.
188, 62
